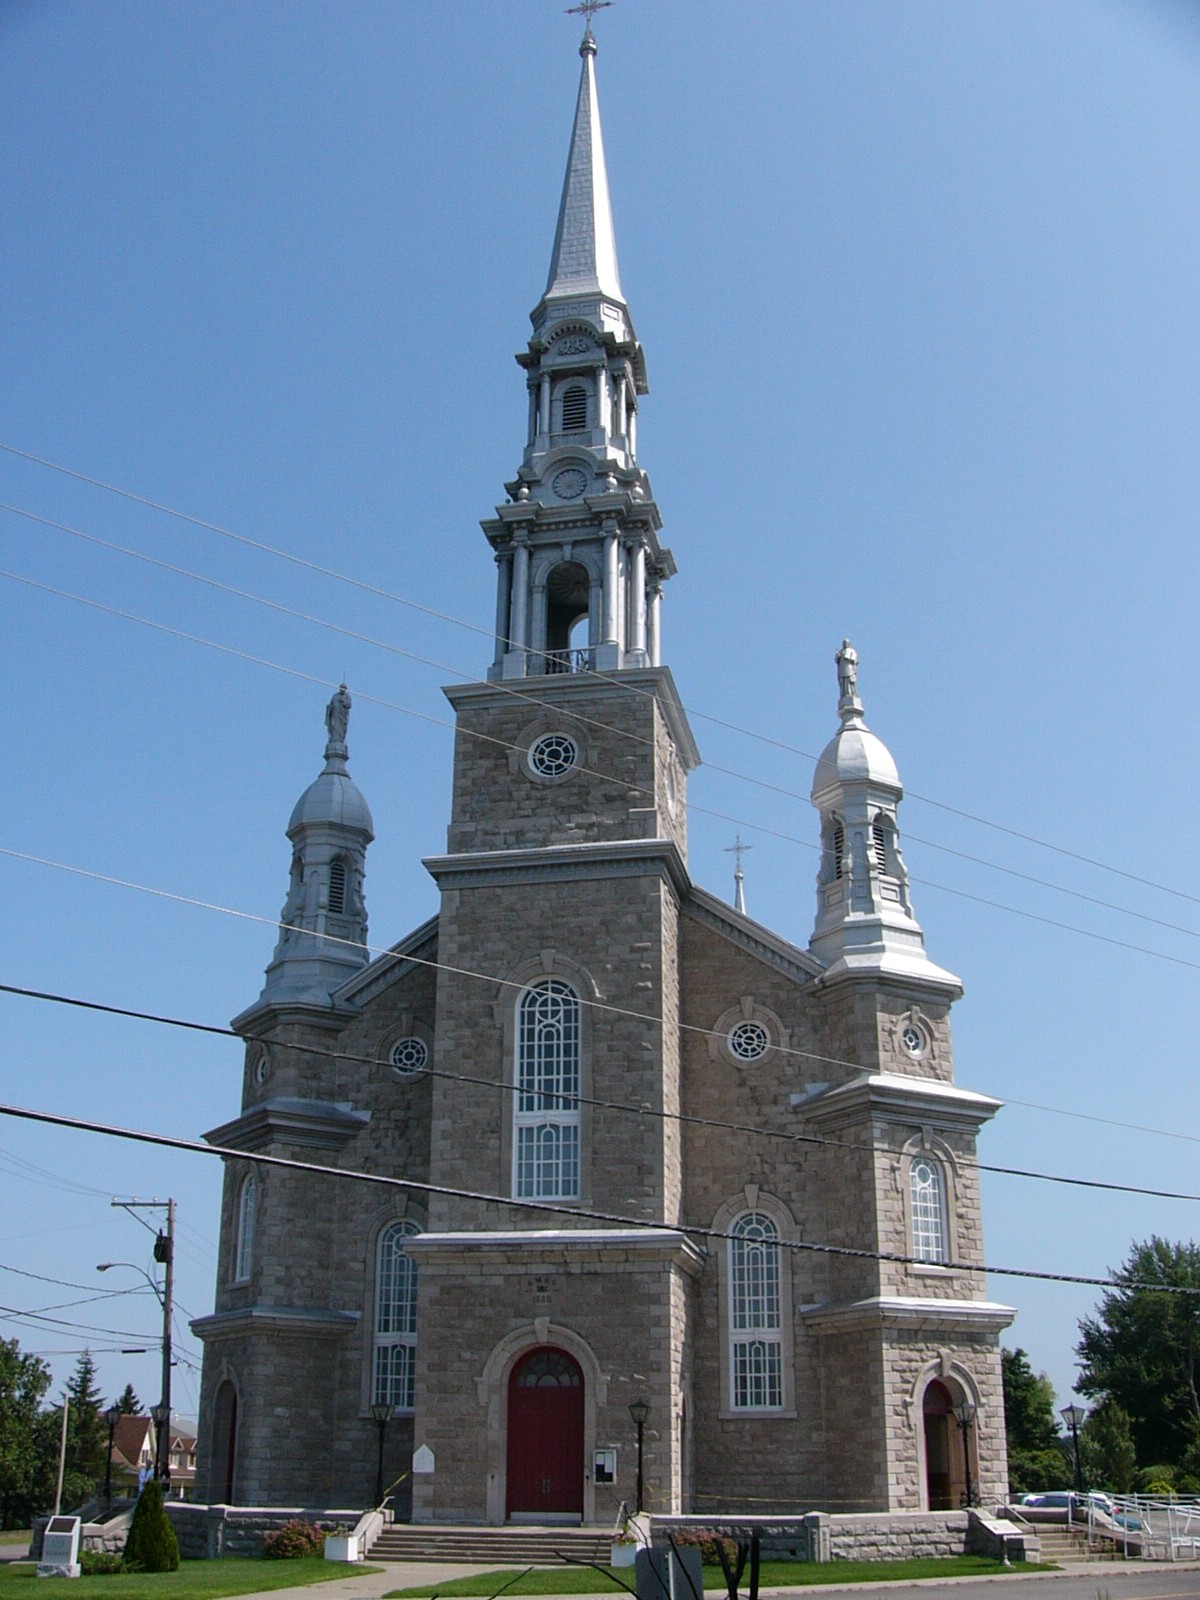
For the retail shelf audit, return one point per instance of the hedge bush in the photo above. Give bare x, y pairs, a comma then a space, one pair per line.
294, 1540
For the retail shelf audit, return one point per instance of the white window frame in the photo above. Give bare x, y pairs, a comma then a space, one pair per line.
243, 1236
928, 1215
547, 1132
756, 1356
394, 1323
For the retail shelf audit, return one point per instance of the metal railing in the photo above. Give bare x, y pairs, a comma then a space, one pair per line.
569, 660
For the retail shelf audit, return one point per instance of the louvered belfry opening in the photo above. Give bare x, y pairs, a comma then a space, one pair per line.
574, 408
337, 889
839, 849
879, 845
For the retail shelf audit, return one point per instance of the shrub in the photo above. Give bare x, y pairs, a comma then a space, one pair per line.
151, 1545
709, 1543
100, 1563
293, 1540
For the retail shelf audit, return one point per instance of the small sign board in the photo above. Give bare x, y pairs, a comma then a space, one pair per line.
423, 1459
60, 1548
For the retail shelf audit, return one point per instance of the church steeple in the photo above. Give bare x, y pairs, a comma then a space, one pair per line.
865, 924
580, 565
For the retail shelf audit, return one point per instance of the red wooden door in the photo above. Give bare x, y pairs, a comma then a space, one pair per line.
545, 1435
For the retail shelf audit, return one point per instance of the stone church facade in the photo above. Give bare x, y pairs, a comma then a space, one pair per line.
654, 1152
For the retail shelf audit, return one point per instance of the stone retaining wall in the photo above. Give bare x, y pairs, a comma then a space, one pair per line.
207, 1531
819, 1536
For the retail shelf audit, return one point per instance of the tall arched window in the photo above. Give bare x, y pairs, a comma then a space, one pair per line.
546, 1116
755, 1332
243, 1249
393, 1380
927, 1189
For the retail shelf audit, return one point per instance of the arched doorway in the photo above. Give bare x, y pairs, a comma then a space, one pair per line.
224, 1443
945, 1447
545, 1438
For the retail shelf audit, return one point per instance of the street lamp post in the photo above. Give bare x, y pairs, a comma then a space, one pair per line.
1073, 1416
163, 1251
110, 1416
639, 1411
383, 1414
964, 1415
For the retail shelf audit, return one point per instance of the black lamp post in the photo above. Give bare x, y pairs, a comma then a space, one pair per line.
639, 1411
1073, 1416
383, 1414
110, 1416
964, 1415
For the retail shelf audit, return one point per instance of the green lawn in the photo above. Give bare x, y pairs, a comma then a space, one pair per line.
14, 1536
772, 1575
195, 1580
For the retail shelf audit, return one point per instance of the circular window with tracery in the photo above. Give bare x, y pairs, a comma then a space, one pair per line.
748, 1041
553, 755
409, 1056
914, 1039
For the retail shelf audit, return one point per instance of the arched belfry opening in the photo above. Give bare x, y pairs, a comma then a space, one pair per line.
567, 588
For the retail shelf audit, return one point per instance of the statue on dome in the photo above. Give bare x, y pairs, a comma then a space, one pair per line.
337, 715
847, 670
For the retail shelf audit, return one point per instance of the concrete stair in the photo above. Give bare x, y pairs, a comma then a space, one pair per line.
511, 1546
1060, 1543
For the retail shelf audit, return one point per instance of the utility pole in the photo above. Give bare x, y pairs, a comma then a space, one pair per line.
62, 1456
164, 1252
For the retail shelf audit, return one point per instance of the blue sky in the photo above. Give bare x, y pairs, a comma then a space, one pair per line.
917, 287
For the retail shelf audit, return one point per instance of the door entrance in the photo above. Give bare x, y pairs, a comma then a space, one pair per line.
945, 1475
545, 1438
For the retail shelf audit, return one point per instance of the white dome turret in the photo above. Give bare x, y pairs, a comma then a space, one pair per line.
865, 924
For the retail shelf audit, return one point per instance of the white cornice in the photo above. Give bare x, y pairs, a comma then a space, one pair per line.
310, 1124
386, 969
911, 1098
301, 1321
474, 869
526, 1249
919, 1314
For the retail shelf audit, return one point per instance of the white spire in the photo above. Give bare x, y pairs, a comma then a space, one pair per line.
585, 248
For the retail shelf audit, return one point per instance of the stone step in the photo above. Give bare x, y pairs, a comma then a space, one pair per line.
509, 1546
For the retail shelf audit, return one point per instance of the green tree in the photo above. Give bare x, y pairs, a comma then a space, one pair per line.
87, 1434
1142, 1349
1106, 1449
1035, 1449
151, 1545
24, 1379
129, 1403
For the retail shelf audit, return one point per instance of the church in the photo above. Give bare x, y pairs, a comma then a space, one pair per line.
655, 1155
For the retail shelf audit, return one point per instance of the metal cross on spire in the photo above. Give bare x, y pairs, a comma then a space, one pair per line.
737, 850
587, 9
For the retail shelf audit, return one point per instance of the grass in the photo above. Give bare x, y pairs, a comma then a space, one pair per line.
15, 1536
772, 1575
195, 1580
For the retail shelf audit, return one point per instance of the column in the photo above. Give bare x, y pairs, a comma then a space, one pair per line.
611, 585
533, 411
620, 422
503, 595
604, 395
544, 404
654, 639
519, 626
637, 584
633, 433
537, 630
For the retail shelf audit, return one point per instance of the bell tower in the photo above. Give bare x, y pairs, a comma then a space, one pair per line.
580, 566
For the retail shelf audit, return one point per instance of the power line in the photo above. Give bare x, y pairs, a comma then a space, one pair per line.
529, 699
442, 616
687, 1118
575, 1213
723, 816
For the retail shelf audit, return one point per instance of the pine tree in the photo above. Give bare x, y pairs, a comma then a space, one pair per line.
87, 1434
1106, 1449
151, 1545
129, 1403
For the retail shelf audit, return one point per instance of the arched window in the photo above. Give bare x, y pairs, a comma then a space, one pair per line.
393, 1380
755, 1331
927, 1188
243, 1251
546, 1115
337, 888
574, 408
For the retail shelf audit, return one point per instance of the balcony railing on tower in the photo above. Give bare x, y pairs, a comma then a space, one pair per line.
569, 661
